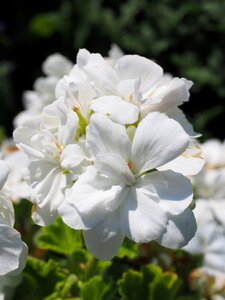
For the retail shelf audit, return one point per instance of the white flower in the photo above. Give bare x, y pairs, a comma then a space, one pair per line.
55, 158
125, 92
123, 194
135, 80
13, 251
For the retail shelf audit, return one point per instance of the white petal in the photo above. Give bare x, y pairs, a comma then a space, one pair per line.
105, 239
48, 184
68, 127
114, 166
97, 69
6, 211
114, 107
57, 65
138, 67
167, 95
11, 249
188, 163
71, 216
177, 114
4, 171
157, 141
94, 197
72, 156
27, 138
105, 136
22, 260
142, 219
179, 230
173, 190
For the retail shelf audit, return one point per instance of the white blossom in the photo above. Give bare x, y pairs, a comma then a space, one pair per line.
118, 196
55, 158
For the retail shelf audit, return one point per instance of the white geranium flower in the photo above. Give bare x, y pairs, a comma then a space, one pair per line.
13, 251
55, 67
123, 194
133, 84
56, 159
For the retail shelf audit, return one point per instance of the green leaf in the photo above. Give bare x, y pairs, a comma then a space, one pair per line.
84, 264
63, 288
164, 287
59, 238
97, 288
148, 284
129, 249
130, 286
39, 279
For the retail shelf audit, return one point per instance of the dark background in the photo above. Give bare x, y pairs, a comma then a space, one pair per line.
187, 38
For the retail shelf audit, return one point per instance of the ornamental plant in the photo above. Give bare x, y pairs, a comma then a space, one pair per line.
104, 154
107, 162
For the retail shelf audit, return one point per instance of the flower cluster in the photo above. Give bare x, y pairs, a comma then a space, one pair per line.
110, 151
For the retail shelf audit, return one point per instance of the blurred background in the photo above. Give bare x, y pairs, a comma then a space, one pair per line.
187, 38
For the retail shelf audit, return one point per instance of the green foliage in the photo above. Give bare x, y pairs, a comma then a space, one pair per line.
129, 249
59, 238
97, 288
148, 284
40, 279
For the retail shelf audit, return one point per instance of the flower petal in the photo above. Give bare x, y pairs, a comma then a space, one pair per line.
157, 141
11, 249
138, 67
6, 211
188, 163
114, 107
105, 239
177, 114
114, 166
68, 127
48, 184
72, 156
97, 69
167, 94
57, 65
94, 197
174, 191
179, 231
105, 136
142, 219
